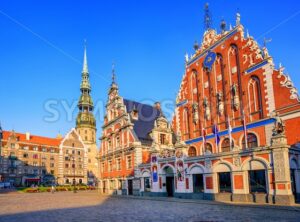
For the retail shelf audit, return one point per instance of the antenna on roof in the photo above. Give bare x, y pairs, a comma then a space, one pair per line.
207, 18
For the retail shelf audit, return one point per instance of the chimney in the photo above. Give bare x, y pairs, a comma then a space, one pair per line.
157, 105
27, 136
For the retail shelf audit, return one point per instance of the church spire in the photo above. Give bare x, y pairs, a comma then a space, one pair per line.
114, 85
113, 74
85, 65
85, 116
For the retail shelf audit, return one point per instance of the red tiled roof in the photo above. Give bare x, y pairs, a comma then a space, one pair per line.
40, 140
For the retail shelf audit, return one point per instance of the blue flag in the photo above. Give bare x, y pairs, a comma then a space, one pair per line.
216, 132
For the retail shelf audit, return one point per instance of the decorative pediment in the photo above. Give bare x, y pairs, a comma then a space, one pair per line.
166, 153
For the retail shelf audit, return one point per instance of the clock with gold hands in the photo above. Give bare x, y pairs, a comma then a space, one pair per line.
209, 60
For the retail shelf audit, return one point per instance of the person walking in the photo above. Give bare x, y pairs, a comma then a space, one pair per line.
52, 189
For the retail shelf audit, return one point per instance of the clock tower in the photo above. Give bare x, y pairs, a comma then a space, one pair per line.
86, 123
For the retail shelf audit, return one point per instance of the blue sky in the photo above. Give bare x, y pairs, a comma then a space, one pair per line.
42, 49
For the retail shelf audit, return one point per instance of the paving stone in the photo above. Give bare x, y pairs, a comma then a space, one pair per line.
91, 206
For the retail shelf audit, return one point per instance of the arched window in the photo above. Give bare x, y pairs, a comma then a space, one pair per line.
251, 141
226, 145
192, 152
193, 86
254, 97
186, 121
208, 148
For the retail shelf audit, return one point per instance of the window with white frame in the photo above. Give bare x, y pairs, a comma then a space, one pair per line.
129, 162
119, 164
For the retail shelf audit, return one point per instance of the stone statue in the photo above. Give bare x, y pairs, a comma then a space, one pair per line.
178, 137
236, 100
186, 58
220, 103
195, 112
206, 108
279, 126
238, 19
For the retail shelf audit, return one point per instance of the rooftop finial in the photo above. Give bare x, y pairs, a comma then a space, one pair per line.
113, 73
223, 26
207, 18
85, 66
238, 18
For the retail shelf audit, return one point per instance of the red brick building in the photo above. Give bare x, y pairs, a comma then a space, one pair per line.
130, 131
231, 89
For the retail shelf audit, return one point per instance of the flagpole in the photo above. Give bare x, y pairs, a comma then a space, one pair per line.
216, 138
229, 132
245, 130
204, 140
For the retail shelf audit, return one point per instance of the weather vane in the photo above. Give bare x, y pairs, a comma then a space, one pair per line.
207, 18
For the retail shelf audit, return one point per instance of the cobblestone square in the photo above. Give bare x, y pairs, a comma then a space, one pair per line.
91, 206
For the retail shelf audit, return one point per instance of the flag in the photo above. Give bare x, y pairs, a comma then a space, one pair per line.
217, 137
229, 132
245, 130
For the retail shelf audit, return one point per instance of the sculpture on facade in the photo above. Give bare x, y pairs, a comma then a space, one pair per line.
195, 112
220, 103
279, 126
236, 100
206, 108
180, 170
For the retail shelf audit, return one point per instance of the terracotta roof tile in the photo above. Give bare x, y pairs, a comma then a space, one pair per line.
40, 140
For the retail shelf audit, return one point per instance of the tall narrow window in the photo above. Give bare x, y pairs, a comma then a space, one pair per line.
186, 122
129, 162
163, 140
254, 97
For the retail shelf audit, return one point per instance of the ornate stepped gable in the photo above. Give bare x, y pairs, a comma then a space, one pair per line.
131, 120
230, 76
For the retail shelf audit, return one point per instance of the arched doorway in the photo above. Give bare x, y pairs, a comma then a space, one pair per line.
169, 181
294, 177
197, 174
257, 176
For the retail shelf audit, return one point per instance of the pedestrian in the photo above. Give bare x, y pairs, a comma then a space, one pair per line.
52, 189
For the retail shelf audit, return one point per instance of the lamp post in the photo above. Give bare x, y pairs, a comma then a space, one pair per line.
74, 180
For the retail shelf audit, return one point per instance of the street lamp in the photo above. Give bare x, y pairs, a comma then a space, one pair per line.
74, 179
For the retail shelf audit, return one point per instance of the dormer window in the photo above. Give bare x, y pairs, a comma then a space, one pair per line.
163, 139
135, 114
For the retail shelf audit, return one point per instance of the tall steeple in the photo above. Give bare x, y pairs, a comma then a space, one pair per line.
86, 123
114, 85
